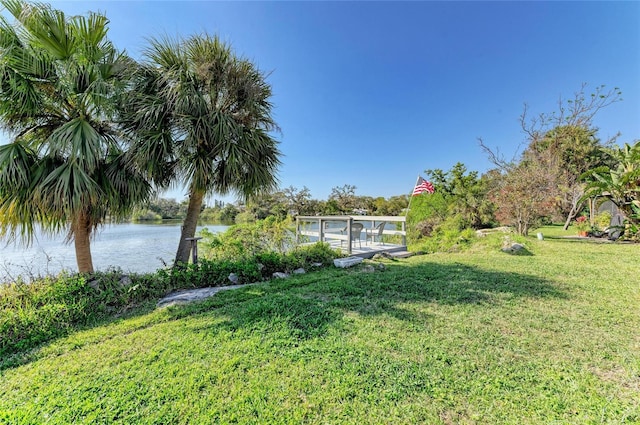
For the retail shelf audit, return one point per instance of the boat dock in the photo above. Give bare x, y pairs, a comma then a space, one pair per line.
361, 236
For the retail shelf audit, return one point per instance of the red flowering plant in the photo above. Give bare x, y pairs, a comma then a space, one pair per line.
582, 223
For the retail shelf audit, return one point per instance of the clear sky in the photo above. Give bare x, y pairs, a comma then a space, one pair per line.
373, 93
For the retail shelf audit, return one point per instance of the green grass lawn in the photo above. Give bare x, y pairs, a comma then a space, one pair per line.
473, 337
556, 231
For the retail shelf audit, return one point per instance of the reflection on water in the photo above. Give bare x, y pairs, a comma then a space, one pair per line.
132, 247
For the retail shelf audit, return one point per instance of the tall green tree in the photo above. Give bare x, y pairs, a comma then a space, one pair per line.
64, 168
465, 193
202, 116
570, 151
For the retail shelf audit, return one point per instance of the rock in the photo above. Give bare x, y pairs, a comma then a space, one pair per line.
191, 295
368, 268
125, 281
95, 284
280, 275
382, 255
515, 248
299, 271
347, 262
317, 265
233, 278
381, 267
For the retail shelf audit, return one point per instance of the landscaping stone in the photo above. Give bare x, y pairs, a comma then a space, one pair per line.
403, 254
299, 271
125, 281
514, 248
347, 262
191, 295
280, 275
368, 268
233, 278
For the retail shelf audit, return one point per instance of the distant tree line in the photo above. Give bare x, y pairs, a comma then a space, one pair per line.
281, 203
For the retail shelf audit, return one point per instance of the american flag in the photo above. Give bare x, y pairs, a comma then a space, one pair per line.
422, 186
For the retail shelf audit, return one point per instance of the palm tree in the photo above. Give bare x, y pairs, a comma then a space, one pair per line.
201, 117
64, 168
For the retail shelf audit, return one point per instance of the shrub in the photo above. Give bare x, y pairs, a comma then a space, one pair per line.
244, 217
317, 253
448, 236
249, 239
603, 220
36, 312
248, 269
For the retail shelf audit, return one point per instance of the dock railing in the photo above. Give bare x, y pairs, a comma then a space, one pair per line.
338, 227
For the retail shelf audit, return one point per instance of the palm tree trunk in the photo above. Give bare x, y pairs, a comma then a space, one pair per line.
189, 226
82, 242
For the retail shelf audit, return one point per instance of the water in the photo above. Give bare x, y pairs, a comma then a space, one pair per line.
132, 247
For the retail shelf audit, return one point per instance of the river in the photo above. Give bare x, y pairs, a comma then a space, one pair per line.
132, 247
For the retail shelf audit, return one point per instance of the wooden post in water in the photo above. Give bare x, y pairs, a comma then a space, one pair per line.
194, 249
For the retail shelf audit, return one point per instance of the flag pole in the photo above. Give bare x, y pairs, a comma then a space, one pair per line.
406, 214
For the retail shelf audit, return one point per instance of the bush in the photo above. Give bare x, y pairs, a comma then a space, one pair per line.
32, 313
248, 269
245, 241
448, 236
245, 217
603, 220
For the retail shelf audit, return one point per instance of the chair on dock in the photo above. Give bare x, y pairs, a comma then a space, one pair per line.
376, 232
356, 230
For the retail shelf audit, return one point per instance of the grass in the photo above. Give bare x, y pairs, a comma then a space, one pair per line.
555, 231
473, 337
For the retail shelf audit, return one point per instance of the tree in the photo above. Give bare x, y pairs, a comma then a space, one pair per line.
263, 205
299, 201
167, 208
522, 195
560, 147
395, 205
465, 193
344, 197
65, 167
202, 116
619, 183
571, 151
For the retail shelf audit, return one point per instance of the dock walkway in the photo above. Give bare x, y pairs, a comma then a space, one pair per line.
336, 231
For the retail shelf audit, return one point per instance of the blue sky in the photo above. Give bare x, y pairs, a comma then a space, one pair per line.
373, 93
